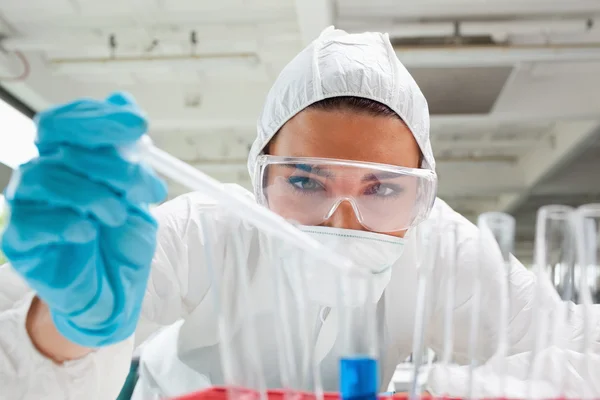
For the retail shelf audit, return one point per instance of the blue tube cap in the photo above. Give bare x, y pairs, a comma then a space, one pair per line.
359, 378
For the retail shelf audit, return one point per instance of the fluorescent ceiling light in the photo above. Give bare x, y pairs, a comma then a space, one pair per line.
17, 136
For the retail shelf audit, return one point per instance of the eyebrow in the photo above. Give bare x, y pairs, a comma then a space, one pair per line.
328, 174
311, 170
380, 176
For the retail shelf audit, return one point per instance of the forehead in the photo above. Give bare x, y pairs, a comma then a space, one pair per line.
348, 136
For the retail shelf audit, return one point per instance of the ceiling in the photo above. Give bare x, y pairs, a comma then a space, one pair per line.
513, 85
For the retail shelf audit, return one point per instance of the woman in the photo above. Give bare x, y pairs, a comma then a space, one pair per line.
96, 268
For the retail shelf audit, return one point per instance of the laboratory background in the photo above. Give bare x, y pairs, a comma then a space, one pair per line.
513, 86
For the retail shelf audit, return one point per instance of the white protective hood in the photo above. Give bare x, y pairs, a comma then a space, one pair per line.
341, 64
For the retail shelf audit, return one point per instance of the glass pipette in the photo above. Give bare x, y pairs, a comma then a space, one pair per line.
237, 204
256, 215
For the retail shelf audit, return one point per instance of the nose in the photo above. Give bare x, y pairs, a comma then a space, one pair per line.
344, 217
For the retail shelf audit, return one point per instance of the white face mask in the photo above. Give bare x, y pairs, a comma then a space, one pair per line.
373, 252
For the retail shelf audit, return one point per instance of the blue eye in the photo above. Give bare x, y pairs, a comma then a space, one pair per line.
383, 190
304, 183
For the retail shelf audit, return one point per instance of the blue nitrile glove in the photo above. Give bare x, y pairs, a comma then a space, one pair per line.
79, 231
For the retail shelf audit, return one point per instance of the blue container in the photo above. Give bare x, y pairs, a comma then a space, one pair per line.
359, 378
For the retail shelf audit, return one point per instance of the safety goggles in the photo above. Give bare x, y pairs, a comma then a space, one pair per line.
385, 198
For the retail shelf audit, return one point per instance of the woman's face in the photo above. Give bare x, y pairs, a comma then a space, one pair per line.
348, 136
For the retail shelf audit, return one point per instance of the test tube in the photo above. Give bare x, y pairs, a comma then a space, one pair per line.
553, 264
240, 352
358, 364
299, 371
448, 254
430, 245
586, 221
239, 314
497, 232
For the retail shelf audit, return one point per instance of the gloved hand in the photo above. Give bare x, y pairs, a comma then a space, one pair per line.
80, 232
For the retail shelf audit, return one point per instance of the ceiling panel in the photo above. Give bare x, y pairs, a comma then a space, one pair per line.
461, 90
581, 176
558, 96
553, 69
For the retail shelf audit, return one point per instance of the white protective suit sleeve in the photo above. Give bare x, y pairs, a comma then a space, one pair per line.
522, 288
561, 374
26, 374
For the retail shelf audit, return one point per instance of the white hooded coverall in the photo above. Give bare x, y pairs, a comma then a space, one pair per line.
177, 297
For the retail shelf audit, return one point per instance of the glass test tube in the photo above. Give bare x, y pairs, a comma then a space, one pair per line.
448, 248
298, 370
430, 244
553, 265
497, 232
586, 220
358, 365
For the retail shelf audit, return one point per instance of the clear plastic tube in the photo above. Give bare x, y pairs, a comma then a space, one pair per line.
430, 243
247, 209
292, 378
553, 264
587, 240
358, 364
241, 363
499, 228
448, 254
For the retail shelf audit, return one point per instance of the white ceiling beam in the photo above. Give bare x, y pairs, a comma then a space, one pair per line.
51, 37
313, 16
542, 162
410, 10
161, 64
165, 127
438, 122
230, 41
201, 15
493, 56
399, 30
499, 29
484, 144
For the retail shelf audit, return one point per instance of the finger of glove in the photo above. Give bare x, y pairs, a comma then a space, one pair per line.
57, 186
135, 181
133, 243
33, 225
131, 246
91, 123
122, 99
126, 253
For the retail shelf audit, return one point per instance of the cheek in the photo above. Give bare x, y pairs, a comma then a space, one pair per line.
397, 234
